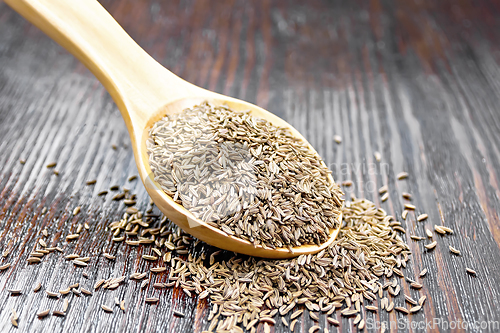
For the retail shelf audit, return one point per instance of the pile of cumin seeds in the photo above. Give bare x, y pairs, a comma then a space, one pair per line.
245, 176
359, 270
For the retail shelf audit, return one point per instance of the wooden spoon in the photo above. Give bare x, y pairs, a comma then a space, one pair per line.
145, 92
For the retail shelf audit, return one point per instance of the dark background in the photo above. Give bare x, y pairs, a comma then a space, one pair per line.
418, 81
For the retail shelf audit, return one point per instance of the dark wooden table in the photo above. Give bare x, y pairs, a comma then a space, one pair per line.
418, 81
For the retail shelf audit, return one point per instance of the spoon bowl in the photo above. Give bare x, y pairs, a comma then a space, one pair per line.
145, 92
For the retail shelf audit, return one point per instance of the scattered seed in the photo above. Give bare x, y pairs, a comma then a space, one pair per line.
118, 196
51, 294
65, 305
86, 292
91, 182
131, 178
149, 257
448, 230
423, 272
409, 206
454, 250
431, 245
422, 217
410, 300
14, 291
416, 285
4, 266
98, 284
33, 260
314, 328
421, 300
404, 214
347, 183
106, 308
415, 309
72, 237
470, 271
152, 300
77, 210
337, 138
109, 256
79, 263
402, 175
158, 269
296, 314
58, 313
37, 287
14, 317
385, 197
72, 256
383, 189
51, 165
428, 233
402, 309
65, 291
42, 314
406, 196
122, 305
390, 307
102, 193
378, 156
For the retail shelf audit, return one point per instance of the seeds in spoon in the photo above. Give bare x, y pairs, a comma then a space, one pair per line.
245, 176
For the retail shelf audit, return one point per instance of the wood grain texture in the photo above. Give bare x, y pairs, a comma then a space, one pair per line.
417, 81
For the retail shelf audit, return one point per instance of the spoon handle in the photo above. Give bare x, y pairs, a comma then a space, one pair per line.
137, 83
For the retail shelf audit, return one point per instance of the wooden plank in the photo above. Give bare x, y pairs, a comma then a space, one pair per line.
415, 81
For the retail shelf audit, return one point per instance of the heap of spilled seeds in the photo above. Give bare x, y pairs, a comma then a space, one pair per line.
244, 176
245, 291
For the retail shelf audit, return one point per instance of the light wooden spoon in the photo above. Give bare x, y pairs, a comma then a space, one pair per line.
145, 92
